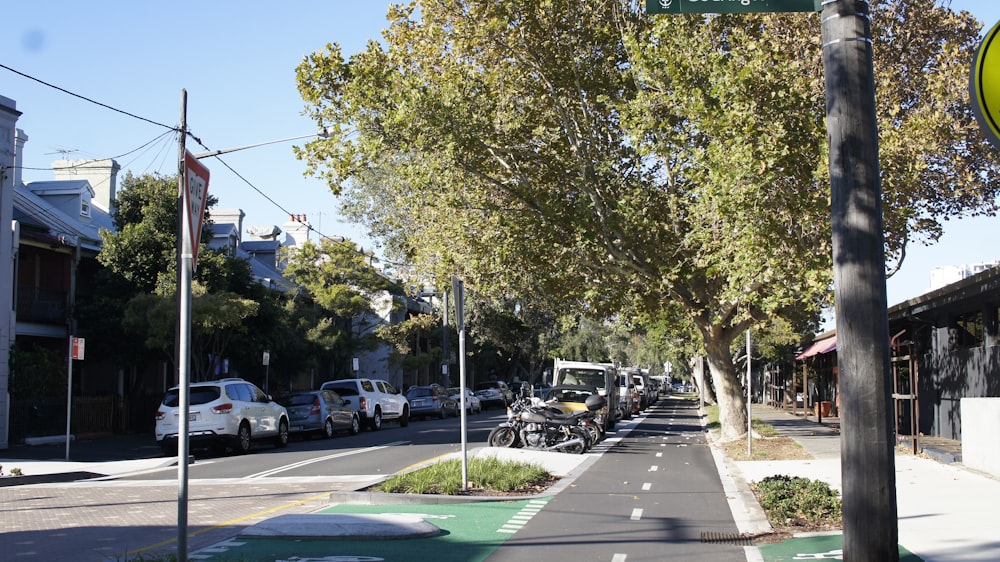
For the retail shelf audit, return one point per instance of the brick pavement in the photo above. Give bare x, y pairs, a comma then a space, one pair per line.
114, 520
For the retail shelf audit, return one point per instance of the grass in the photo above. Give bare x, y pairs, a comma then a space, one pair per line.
485, 473
766, 445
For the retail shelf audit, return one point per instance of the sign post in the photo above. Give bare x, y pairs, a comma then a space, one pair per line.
458, 289
75, 352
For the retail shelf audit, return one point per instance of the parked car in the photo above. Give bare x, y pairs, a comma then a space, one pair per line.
494, 393
472, 403
431, 401
628, 399
374, 400
321, 412
573, 398
223, 413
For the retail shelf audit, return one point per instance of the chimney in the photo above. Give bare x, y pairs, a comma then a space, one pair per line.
102, 175
19, 139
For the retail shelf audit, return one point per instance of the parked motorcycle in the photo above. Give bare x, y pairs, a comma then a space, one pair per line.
532, 424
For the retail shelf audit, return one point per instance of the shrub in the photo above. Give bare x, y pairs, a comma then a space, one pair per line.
796, 501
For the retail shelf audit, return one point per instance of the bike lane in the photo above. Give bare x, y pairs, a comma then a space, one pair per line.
469, 532
654, 495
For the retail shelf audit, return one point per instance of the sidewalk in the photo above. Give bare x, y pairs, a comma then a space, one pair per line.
945, 511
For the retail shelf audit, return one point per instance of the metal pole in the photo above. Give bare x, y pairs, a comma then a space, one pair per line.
183, 337
458, 287
871, 527
749, 400
69, 392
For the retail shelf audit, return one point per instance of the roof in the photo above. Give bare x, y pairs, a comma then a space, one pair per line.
32, 209
819, 347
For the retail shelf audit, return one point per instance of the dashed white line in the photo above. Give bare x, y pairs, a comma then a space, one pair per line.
619, 558
647, 487
654, 468
636, 514
658, 455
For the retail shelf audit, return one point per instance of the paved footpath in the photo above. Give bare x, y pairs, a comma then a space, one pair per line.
947, 512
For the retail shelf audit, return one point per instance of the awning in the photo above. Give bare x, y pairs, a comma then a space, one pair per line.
818, 348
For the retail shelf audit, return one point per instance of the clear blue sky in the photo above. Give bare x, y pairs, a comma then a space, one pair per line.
237, 62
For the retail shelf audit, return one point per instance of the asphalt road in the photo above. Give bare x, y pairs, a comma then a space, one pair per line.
119, 518
654, 494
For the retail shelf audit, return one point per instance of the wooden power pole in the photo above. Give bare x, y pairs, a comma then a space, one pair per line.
871, 530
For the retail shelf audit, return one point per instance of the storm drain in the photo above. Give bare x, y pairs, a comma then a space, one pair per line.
716, 537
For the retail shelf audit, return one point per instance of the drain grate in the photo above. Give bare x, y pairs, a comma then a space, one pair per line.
716, 537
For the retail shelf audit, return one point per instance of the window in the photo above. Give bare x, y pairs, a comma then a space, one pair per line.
84, 208
968, 330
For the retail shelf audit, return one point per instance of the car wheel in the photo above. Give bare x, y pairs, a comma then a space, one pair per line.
404, 420
442, 414
282, 439
355, 425
328, 428
502, 436
243, 438
376, 423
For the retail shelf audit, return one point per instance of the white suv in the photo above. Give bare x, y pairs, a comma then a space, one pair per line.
226, 412
375, 400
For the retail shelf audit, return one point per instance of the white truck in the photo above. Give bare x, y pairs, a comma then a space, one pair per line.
602, 376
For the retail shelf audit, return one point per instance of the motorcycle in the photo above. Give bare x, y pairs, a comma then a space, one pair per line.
537, 426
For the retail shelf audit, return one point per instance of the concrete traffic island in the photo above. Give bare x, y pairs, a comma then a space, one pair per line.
344, 526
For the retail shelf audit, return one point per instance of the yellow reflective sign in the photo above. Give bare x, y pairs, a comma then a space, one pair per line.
984, 85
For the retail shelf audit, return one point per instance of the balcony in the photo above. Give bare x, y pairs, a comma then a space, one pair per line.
42, 306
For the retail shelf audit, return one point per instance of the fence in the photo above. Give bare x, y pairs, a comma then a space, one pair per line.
47, 416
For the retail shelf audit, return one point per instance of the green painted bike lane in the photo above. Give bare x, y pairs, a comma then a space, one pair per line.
469, 532
817, 547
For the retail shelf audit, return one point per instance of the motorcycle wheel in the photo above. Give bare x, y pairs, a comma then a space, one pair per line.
594, 434
502, 436
579, 448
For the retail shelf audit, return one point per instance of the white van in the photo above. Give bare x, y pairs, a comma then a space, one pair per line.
602, 376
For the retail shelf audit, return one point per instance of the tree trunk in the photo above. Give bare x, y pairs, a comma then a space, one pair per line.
732, 402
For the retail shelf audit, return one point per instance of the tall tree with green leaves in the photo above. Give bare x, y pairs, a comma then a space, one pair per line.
590, 152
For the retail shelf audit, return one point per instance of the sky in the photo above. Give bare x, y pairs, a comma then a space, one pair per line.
237, 61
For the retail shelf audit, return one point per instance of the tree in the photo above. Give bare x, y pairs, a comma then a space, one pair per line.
590, 152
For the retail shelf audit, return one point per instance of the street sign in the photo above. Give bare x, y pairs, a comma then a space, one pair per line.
730, 6
195, 194
984, 85
77, 345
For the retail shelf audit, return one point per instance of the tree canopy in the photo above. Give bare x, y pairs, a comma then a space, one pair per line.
597, 155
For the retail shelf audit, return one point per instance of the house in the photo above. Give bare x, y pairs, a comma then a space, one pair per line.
944, 355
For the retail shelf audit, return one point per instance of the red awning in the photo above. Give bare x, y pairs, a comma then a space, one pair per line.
822, 346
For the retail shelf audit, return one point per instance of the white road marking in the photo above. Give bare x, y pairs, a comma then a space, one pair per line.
636, 514
647, 487
300, 464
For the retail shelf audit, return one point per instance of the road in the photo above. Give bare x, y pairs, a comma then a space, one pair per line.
652, 495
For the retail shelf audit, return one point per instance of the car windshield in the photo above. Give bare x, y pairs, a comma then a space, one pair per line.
566, 395
486, 386
296, 400
197, 395
588, 377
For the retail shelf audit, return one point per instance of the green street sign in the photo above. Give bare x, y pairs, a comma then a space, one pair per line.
984, 85
730, 6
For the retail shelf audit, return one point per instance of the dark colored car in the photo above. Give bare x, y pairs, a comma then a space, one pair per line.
431, 401
321, 412
494, 393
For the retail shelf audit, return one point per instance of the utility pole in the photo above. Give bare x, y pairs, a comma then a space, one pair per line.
868, 472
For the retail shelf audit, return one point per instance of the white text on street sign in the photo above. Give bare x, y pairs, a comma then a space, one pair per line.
730, 6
